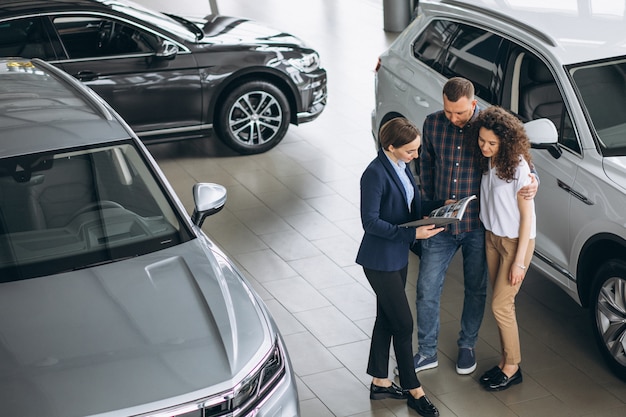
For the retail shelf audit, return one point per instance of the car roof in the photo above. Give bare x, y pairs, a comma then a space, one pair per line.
572, 33
43, 108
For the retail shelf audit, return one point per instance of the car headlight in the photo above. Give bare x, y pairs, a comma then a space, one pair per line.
306, 63
261, 381
243, 397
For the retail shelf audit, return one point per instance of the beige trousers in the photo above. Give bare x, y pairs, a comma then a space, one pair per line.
500, 256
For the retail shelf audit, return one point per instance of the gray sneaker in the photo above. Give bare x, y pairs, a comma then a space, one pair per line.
421, 363
466, 361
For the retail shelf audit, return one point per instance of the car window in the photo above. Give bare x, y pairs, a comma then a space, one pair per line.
602, 89
25, 38
538, 96
95, 36
473, 54
502, 72
430, 44
73, 209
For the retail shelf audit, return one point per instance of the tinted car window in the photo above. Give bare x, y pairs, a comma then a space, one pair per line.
602, 88
428, 47
73, 209
25, 37
472, 54
540, 97
93, 36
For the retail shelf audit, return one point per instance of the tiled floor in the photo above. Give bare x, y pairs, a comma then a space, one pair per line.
292, 224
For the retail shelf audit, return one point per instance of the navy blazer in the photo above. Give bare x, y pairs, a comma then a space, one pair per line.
385, 245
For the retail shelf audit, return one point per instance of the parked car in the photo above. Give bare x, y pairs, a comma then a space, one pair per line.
169, 77
113, 302
540, 62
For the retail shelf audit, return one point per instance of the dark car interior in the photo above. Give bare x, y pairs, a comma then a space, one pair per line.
88, 36
25, 37
66, 211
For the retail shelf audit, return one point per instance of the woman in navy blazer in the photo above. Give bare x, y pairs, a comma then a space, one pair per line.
389, 197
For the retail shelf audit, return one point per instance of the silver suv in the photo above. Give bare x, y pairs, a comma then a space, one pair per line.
113, 302
565, 66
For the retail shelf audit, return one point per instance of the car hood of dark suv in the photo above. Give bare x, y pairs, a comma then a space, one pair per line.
229, 30
174, 325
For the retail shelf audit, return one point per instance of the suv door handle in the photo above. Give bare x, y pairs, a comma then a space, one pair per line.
421, 102
86, 75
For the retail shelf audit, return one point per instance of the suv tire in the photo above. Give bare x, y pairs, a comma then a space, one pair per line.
608, 313
253, 118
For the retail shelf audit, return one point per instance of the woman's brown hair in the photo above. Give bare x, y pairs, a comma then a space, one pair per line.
397, 132
513, 141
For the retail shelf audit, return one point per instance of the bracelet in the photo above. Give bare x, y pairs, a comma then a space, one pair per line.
522, 267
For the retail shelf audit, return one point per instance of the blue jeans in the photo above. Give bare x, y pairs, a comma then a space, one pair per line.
437, 253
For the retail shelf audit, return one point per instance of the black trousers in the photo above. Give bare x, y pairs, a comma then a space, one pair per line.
394, 322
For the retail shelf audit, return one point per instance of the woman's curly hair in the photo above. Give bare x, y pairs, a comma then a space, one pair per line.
513, 141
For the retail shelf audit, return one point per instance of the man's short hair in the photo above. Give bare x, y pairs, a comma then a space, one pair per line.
458, 87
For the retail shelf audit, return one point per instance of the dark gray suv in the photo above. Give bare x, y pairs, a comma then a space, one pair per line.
169, 77
112, 299
566, 66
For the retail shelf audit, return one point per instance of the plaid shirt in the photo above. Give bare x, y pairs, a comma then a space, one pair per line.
448, 169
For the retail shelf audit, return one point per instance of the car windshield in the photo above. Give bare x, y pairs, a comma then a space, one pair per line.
602, 88
159, 20
74, 209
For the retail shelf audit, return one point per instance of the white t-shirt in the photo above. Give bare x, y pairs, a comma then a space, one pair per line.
498, 202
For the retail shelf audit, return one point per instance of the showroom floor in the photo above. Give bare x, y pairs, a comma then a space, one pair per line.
292, 224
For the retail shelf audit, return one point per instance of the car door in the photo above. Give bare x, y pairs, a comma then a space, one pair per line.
553, 206
532, 92
118, 60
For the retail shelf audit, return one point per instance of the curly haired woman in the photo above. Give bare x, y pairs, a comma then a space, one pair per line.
502, 150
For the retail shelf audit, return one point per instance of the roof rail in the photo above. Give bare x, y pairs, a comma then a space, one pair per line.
502, 17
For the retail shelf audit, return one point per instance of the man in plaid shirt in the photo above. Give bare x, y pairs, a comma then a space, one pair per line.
448, 171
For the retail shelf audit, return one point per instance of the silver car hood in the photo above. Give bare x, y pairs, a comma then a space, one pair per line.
157, 329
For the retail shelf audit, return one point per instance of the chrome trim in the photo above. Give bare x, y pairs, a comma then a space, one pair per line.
575, 193
313, 112
554, 266
174, 130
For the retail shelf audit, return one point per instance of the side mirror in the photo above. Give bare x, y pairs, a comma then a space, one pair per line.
166, 50
543, 135
208, 199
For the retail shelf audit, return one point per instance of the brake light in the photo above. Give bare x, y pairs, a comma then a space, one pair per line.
377, 65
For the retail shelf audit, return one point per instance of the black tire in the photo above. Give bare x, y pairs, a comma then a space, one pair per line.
608, 314
253, 118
